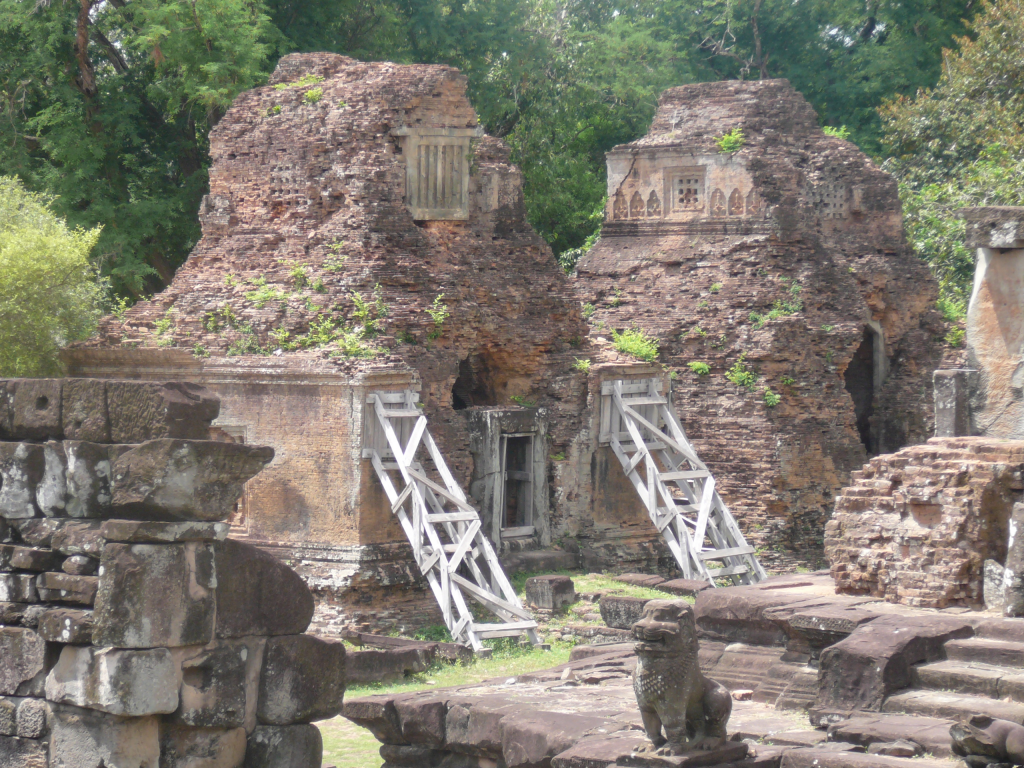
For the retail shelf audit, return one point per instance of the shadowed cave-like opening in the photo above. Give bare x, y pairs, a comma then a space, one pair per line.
860, 383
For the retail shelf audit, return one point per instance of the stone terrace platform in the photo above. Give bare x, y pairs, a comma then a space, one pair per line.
827, 680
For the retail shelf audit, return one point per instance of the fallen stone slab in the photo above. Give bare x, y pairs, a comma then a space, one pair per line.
641, 579
379, 664
600, 649
21, 468
150, 532
875, 660
550, 593
290, 745
220, 684
141, 411
186, 479
724, 755
378, 715
303, 679
36, 409
683, 587
825, 758
930, 732
22, 753
452, 652
22, 658
65, 588
84, 738
185, 747
622, 612
120, 682
531, 739
70, 626
154, 595
257, 594
84, 410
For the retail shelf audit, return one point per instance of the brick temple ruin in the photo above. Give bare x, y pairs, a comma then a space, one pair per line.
381, 201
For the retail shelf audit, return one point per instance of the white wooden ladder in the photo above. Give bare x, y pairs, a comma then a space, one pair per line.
452, 553
674, 484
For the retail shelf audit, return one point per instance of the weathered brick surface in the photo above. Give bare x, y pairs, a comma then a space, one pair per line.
916, 526
824, 228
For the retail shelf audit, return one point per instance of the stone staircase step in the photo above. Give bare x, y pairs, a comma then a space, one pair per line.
983, 650
974, 679
953, 706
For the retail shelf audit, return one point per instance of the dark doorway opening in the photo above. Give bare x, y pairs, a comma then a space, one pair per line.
860, 383
517, 506
474, 385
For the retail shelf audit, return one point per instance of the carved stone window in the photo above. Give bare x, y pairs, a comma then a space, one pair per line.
718, 204
687, 189
619, 210
637, 207
735, 203
437, 164
653, 205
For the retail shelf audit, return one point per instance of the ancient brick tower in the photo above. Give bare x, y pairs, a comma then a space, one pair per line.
781, 266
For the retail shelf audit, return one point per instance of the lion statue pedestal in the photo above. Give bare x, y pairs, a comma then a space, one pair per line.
684, 713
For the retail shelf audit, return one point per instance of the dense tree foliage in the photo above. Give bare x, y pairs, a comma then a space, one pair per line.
962, 144
48, 292
108, 103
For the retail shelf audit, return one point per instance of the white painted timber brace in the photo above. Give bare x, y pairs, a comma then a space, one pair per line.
443, 528
674, 484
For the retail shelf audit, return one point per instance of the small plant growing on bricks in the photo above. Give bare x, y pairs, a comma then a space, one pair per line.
438, 312
636, 343
699, 368
731, 141
740, 375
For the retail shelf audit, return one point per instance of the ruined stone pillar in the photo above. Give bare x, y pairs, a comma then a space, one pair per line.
952, 405
995, 320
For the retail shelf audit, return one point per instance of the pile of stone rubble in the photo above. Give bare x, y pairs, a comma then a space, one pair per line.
132, 631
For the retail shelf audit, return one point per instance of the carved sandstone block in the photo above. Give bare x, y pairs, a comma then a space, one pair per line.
87, 739
119, 682
84, 412
303, 679
21, 469
141, 411
220, 684
272, 746
36, 412
22, 657
185, 479
184, 747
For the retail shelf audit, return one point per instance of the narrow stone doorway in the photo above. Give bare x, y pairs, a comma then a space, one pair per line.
860, 383
517, 485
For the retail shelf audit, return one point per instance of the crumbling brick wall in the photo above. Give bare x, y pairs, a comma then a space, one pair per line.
778, 257
132, 631
916, 526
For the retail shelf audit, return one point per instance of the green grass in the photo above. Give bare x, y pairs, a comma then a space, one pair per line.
636, 343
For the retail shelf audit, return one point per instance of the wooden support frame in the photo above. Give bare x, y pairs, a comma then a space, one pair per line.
675, 486
443, 528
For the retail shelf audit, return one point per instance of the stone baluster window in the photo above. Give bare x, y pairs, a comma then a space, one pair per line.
437, 163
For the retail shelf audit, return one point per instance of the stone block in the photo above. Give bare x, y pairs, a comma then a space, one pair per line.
220, 684
622, 612
83, 738
993, 586
683, 587
20, 614
952, 403
303, 679
994, 226
89, 468
18, 588
185, 479
36, 413
21, 468
141, 411
80, 565
650, 580
14, 557
155, 595
79, 538
184, 747
280, 746
1013, 575
150, 532
38, 531
257, 594
378, 664
550, 593
532, 739
30, 718
66, 625
8, 716
65, 588
116, 681
22, 753
52, 490
22, 658
84, 411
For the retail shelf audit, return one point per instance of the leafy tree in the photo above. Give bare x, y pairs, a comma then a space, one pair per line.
48, 292
962, 144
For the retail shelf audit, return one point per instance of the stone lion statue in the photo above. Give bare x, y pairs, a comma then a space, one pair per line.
672, 692
984, 740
